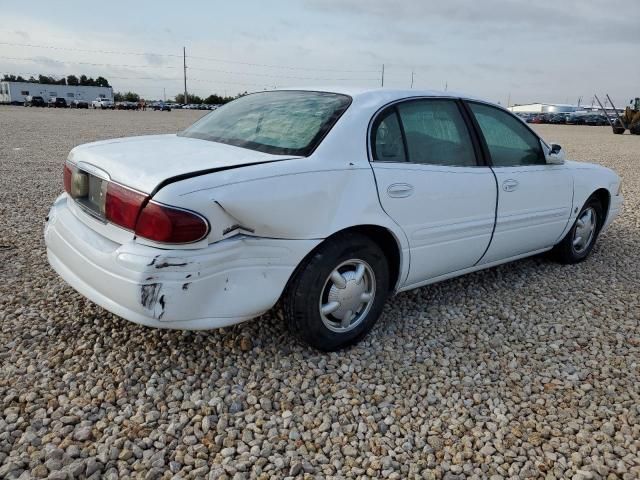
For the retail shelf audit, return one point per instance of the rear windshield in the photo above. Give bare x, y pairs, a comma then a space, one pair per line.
281, 122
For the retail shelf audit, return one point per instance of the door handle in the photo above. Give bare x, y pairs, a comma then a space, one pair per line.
510, 185
400, 190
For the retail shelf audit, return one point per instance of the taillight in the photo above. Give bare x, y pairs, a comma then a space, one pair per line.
122, 205
165, 224
67, 178
133, 210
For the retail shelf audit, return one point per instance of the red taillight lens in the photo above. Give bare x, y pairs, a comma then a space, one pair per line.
122, 205
165, 224
67, 178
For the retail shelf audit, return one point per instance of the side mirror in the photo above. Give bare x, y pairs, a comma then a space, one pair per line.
555, 156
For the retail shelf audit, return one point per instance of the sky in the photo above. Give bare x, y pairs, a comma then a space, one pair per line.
515, 51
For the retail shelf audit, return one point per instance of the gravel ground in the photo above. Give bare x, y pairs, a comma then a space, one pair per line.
529, 370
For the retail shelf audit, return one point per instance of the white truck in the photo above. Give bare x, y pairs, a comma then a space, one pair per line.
103, 103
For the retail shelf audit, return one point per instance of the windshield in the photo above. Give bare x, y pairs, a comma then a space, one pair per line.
280, 122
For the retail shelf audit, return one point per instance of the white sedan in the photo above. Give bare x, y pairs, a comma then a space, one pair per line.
329, 201
103, 103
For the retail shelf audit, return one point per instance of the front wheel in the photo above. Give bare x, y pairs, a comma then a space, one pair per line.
579, 242
337, 293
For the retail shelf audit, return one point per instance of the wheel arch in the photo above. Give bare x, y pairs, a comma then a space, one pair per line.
386, 240
604, 196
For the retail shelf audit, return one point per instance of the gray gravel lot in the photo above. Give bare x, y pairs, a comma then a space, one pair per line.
529, 370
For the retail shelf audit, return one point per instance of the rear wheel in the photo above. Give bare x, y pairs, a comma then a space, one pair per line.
618, 130
337, 293
579, 242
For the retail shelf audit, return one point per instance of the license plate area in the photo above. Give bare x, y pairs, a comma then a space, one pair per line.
90, 193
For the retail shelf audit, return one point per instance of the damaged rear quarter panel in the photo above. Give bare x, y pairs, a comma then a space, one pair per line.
293, 199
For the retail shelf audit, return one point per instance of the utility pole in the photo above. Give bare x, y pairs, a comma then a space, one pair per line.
509, 100
446, 85
412, 72
164, 94
382, 78
184, 60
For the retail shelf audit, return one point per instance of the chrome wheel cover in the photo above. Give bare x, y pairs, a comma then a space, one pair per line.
585, 230
347, 295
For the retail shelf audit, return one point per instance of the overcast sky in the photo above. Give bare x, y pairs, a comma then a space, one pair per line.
543, 50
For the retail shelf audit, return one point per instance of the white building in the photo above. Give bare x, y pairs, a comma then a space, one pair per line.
543, 108
16, 92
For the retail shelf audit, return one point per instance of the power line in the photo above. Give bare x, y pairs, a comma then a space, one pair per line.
210, 59
282, 66
229, 72
157, 79
35, 59
110, 52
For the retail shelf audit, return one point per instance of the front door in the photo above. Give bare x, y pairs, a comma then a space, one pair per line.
534, 198
431, 183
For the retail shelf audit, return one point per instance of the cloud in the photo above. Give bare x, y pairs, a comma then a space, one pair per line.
591, 19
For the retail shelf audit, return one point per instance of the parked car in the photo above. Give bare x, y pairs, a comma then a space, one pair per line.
557, 118
103, 103
575, 119
127, 106
79, 104
595, 120
34, 101
328, 201
57, 102
538, 119
163, 107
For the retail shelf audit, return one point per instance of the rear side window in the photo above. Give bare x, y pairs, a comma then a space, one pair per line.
388, 144
436, 133
509, 141
280, 122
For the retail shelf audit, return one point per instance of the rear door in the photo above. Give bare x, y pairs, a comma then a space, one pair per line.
534, 198
431, 182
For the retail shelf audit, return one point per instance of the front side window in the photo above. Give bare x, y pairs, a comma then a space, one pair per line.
509, 141
24, 92
280, 122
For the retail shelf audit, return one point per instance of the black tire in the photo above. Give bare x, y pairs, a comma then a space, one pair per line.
618, 130
302, 297
565, 252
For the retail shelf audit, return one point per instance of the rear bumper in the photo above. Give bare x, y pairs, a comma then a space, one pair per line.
226, 283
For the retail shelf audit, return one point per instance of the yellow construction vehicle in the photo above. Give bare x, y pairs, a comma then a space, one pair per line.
629, 120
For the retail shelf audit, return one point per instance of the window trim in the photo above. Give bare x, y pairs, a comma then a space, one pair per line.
480, 159
485, 147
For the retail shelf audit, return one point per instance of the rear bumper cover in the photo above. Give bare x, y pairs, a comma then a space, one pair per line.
226, 283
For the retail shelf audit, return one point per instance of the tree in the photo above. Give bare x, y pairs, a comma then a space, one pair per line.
13, 78
190, 98
45, 79
87, 81
102, 82
131, 97
72, 80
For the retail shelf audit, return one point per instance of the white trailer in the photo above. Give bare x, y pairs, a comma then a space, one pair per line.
16, 92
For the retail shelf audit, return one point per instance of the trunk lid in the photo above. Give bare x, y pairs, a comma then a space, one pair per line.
144, 163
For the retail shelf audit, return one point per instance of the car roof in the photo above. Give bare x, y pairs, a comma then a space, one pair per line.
384, 94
